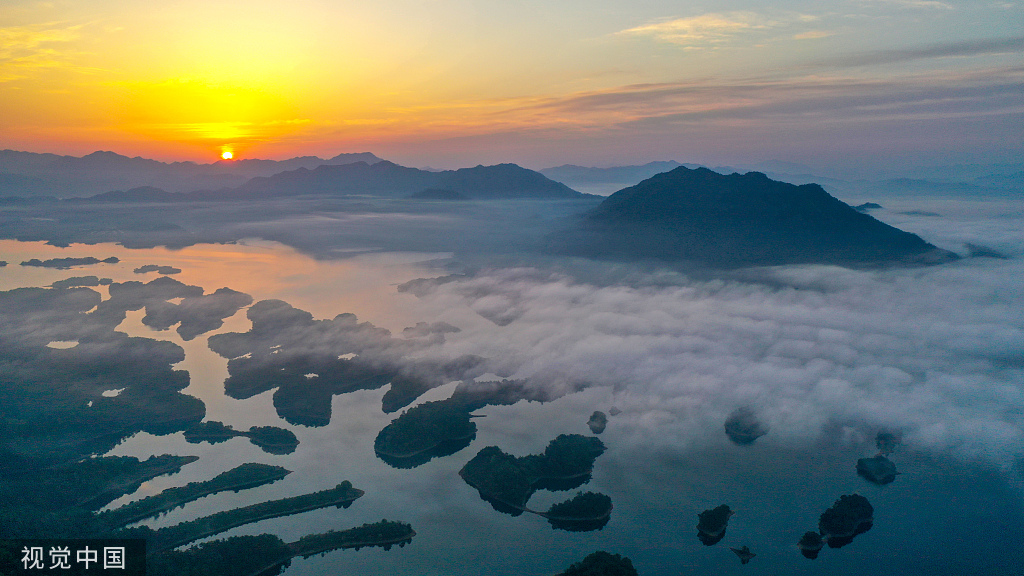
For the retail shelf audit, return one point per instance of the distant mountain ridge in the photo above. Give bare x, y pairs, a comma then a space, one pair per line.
701, 216
380, 179
506, 181
28, 174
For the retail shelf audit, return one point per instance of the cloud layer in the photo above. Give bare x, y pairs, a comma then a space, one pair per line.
934, 353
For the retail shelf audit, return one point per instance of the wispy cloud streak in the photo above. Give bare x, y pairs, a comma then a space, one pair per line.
24, 48
704, 29
946, 50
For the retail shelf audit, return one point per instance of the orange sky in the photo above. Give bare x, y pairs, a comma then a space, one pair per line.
463, 81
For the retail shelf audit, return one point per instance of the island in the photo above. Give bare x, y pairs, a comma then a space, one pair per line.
81, 282
810, 544
744, 554
848, 517
507, 482
65, 263
743, 427
424, 432
877, 470
711, 524
597, 422
270, 439
131, 473
159, 269
582, 513
268, 555
700, 218
886, 442
601, 563
171, 537
238, 478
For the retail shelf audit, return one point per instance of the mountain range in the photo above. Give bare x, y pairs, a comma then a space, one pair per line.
28, 174
381, 179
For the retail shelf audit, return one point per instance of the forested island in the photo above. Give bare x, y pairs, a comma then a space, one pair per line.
507, 482
270, 439
426, 431
171, 537
238, 478
268, 555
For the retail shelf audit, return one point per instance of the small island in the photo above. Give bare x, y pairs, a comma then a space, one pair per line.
582, 513
877, 470
268, 555
102, 480
743, 427
424, 432
65, 263
159, 269
601, 563
81, 282
270, 439
597, 422
850, 516
810, 544
711, 524
886, 442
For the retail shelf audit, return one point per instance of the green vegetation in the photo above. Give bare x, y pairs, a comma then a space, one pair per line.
566, 463
89, 484
180, 534
568, 456
848, 517
384, 534
602, 564
212, 432
711, 524
583, 506
423, 432
59, 503
238, 478
583, 512
267, 555
500, 478
507, 482
270, 439
57, 418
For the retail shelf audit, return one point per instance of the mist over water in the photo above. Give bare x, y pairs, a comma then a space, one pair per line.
826, 357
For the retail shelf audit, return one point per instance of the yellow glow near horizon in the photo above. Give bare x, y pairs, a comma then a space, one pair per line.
227, 155
449, 78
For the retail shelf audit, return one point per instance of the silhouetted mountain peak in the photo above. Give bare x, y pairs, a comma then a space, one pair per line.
738, 220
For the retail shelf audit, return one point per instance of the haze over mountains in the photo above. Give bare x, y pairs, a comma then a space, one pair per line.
692, 215
987, 180
27, 174
387, 179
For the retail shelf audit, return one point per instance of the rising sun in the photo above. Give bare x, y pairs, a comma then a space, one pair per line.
226, 155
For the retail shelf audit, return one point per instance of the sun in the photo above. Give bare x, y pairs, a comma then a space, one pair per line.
227, 155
